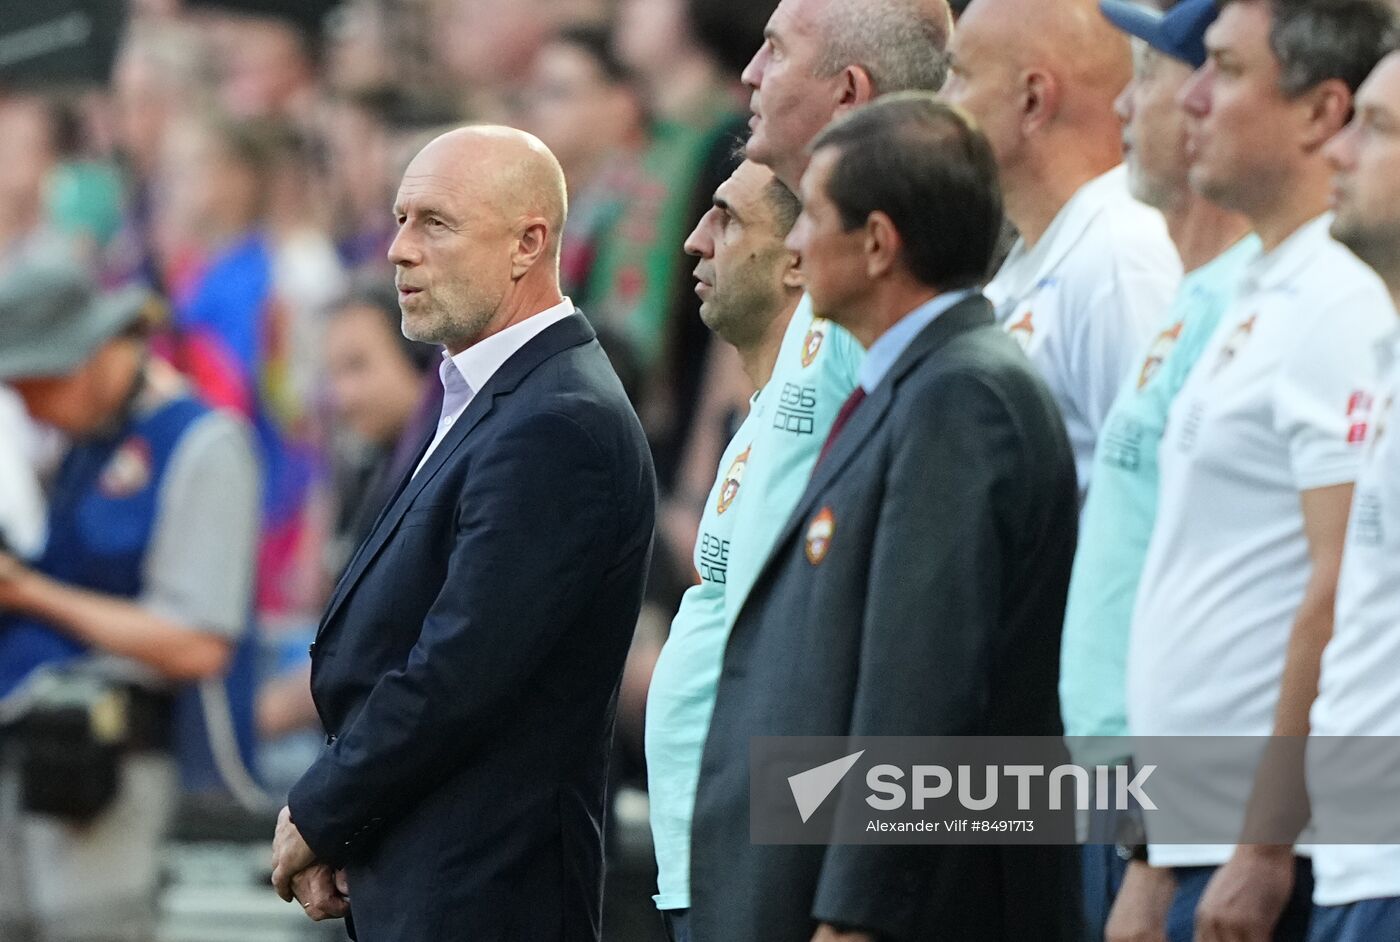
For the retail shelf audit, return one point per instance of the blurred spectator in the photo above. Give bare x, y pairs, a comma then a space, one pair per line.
307, 275
267, 69
357, 55
488, 47
359, 150
235, 336
28, 157
583, 103
162, 72
636, 287
142, 589
377, 378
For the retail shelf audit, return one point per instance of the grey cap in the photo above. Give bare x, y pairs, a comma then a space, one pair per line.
53, 317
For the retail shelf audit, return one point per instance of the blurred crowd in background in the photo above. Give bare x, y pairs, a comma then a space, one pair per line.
242, 166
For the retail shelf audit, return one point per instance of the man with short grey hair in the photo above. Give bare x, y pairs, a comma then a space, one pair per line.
821, 58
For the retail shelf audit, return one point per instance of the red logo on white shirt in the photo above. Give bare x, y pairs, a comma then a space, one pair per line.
1023, 330
1359, 406
1234, 343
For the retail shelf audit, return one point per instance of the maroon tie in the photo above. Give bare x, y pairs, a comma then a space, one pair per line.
852, 402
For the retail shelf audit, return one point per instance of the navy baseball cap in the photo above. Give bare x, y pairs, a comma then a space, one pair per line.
1180, 32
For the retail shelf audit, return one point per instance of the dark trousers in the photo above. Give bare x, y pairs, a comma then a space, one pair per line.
1104, 870
1191, 886
677, 924
1365, 921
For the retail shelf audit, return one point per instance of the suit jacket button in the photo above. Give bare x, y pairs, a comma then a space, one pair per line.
330, 739
311, 649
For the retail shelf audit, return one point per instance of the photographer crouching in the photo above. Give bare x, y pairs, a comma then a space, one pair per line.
143, 589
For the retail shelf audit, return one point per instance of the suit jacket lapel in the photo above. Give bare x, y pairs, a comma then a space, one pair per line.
570, 332
966, 315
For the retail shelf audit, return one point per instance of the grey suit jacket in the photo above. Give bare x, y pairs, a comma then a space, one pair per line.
934, 609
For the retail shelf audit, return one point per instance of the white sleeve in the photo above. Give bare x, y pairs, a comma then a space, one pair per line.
1322, 396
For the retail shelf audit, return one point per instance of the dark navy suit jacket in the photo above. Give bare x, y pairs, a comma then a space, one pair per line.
466, 668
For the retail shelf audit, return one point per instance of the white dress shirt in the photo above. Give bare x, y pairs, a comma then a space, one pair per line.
466, 373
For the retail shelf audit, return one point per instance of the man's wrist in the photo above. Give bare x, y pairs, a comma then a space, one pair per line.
1266, 852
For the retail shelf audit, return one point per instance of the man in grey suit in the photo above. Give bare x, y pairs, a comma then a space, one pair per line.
919, 586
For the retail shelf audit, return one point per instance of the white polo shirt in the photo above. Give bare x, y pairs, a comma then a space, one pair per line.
1272, 408
1087, 298
1359, 692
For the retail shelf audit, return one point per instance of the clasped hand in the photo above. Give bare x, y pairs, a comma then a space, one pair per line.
322, 891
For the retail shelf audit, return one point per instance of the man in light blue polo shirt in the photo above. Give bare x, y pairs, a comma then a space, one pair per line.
804, 369
1121, 506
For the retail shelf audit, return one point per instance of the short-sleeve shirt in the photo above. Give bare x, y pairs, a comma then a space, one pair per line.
1086, 298
1118, 514
1359, 691
1272, 408
762, 474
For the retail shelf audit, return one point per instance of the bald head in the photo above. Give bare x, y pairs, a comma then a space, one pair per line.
1041, 78
1070, 40
508, 170
480, 212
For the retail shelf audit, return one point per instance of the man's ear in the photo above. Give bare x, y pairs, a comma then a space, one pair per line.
1039, 93
1328, 109
530, 245
882, 245
854, 88
792, 271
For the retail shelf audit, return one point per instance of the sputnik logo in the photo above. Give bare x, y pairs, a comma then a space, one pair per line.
811, 788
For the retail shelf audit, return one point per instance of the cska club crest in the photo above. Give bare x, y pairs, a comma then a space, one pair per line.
819, 534
732, 480
128, 471
1234, 343
1157, 353
1023, 330
812, 345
